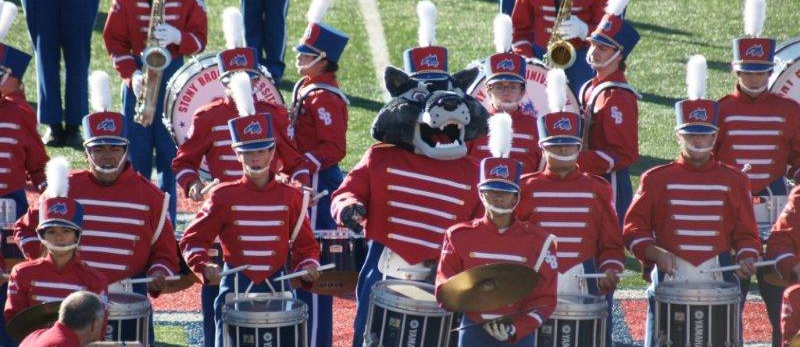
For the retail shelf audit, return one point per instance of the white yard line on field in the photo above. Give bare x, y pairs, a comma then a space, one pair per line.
376, 39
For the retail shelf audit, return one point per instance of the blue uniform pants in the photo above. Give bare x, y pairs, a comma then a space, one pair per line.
368, 276
208, 294
56, 27
265, 31
506, 6
623, 191
145, 140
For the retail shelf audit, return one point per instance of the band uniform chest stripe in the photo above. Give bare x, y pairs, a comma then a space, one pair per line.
220, 128
5, 125
259, 267
107, 203
678, 202
109, 234
228, 157
411, 223
522, 136
569, 239
413, 240
5, 155
755, 147
676, 186
429, 178
4, 170
222, 143
696, 218
701, 233
754, 133
106, 266
258, 223
426, 194
234, 173
118, 220
109, 250
255, 253
562, 209
567, 254
255, 238
8, 140
429, 211
549, 18
764, 119
757, 176
57, 285
562, 224
260, 208
497, 256
755, 161
699, 248
172, 4
567, 195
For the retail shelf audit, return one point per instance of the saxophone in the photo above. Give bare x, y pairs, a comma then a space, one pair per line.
154, 60
560, 53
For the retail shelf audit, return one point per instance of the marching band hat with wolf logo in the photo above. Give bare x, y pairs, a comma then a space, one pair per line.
753, 53
104, 128
251, 133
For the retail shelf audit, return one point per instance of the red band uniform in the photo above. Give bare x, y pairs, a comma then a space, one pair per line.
783, 246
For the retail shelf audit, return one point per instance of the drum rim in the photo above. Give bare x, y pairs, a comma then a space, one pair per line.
678, 293
264, 319
393, 301
588, 311
118, 311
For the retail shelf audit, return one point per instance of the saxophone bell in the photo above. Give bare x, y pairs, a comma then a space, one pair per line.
560, 53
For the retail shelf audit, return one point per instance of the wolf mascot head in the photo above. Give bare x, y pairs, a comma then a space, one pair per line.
434, 119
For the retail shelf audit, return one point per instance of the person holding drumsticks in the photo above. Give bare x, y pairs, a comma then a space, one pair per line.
259, 221
61, 270
575, 206
694, 214
500, 237
127, 229
505, 87
760, 129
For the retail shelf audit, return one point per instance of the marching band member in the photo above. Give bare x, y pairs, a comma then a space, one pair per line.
125, 34
505, 87
61, 270
784, 245
319, 115
696, 212
209, 137
611, 105
500, 237
534, 22
259, 221
80, 322
760, 129
125, 235
575, 206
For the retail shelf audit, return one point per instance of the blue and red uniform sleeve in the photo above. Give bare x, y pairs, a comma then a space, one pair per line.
354, 189
118, 41
190, 153
746, 240
611, 250
328, 112
194, 34
614, 134
543, 301
784, 241
200, 235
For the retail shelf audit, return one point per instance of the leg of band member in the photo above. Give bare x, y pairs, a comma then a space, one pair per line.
623, 191
368, 276
506, 6
81, 16
207, 295
254, 28
48, 59
275, 37
580, 72
772, 300
165, 152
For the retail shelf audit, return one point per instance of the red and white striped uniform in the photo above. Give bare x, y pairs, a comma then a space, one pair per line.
790, 314
694, 213
22, 153
478, 242
784, 241
763, 132
578, 210
126, 226
525, 144
411, 199
254, 227
35, 282
533, 20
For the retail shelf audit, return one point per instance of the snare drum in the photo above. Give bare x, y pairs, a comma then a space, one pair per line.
785, 78
128, 318
534, 102
405, 313
577, 321
265, 321
697, 314
347, 250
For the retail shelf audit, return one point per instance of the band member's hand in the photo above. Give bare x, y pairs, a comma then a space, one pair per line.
159, 283
500, 331
137, 83
572, 28
748, 269
303, 179
664, 259
313, 274
195, 191
609, 283
167, 34
212, 274
352, 216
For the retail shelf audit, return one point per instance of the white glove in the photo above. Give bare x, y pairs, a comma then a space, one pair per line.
167, 34
137, 83
500, 331
572, 28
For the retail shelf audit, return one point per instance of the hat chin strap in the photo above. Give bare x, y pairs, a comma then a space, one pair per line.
570, 157
108, 171
502, 106
306, 66
596, 65
53, 247
496, 209
758, 90
698, 149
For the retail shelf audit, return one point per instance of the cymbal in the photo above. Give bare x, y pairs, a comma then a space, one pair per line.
33, 318
331, 282
487, 287
795, 341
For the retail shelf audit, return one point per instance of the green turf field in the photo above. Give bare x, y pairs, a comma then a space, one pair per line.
671, 30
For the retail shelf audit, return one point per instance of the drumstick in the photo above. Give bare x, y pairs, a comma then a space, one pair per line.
320, 195
148, 279
737, 267
303, 273
209, 186
234, 270
603, 275
746, 168
550, 239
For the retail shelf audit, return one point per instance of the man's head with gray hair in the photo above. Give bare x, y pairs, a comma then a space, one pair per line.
84, 313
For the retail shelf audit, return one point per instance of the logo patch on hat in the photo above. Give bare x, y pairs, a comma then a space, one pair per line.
699, 114
607, 25
756, 51
563, 124
500, 171
506, 64
58, 208
239, 60
253, 128
431, 61
107, 125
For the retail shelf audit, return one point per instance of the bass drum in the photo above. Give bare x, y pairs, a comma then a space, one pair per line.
534, 102
785, 78
197, 84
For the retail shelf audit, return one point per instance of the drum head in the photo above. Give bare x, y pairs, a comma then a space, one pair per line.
534, 102
127, 306
579, 307
265, 312
703, 293
785, 78
408, 296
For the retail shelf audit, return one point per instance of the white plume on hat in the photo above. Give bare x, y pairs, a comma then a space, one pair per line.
616, 7
242, 93
426, 11
57, 172
696, 76
100, 91
233, 27
7, 16
556, 90
501, 134
502, 33
754, 13
317, 10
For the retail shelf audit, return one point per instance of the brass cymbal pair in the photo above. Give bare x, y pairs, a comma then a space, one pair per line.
487, 287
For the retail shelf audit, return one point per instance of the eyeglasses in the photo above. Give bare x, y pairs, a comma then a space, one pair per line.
508, 88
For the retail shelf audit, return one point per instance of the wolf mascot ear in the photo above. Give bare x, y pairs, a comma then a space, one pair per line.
464, 78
